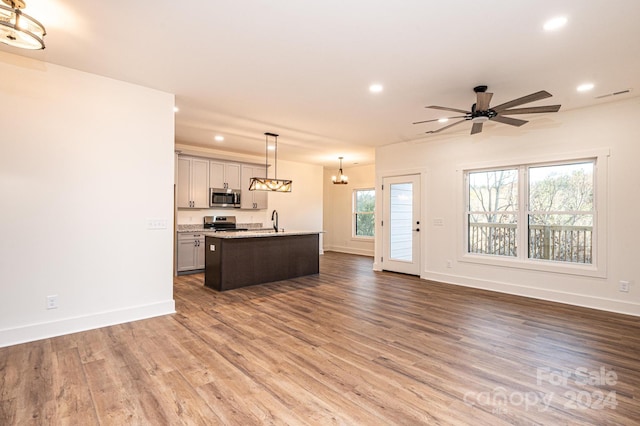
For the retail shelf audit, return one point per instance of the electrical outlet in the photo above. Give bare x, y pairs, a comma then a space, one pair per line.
624, 286
449, 264
52, 302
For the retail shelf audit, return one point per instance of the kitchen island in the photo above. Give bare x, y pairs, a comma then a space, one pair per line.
240, 259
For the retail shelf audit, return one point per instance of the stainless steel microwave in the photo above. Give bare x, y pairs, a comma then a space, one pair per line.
223, 197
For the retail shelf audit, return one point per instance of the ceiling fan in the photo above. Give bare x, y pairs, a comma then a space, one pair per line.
481, 112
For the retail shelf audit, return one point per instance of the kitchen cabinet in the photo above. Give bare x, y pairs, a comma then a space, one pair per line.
224, 175
190, 252
193, 183
254, 200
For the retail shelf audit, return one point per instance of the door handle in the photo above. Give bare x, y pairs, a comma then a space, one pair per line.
417, 229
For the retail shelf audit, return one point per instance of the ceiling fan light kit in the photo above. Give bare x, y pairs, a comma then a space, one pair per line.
481, 111
18, 29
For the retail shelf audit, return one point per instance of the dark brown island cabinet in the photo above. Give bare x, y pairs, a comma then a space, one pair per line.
240, 259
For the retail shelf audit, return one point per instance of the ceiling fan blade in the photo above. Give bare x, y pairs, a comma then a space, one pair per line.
438, 119
447, 109
543, 94
531, 110
483, 101
446, 127
508, 120
476, 128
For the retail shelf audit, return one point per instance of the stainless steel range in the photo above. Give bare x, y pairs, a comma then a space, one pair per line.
221, 224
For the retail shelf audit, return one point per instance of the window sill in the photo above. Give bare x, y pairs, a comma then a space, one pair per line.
537, 265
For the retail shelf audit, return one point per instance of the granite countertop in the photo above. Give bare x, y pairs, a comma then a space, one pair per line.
190, 228
257, 234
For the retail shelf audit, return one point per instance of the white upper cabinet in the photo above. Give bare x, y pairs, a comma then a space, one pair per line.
224, 175
193, 183
255, 200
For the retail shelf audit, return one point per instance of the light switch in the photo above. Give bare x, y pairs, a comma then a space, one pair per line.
156, 224
212, 247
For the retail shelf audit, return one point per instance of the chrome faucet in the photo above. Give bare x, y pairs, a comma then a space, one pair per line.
274, 220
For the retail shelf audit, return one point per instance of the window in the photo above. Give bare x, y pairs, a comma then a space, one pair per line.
560, 214
492, 212
364, 202
534, 214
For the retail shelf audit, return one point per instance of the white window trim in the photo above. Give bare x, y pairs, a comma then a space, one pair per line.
597, 269
355, 237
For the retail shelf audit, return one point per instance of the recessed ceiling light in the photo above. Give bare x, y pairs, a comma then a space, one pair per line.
443, 120
555, 23
218, 138
376, 88
176, 109
585, 87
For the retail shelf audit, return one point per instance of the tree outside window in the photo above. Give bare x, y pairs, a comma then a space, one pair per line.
364, 203
561, 212
493, 212
557, 223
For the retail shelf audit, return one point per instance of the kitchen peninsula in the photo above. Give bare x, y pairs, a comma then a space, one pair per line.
240, 259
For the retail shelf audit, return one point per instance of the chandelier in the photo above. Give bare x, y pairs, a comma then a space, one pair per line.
18, 29
341, 179
265, 183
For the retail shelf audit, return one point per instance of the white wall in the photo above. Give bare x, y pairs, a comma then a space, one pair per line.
612, 126
338, 219
85, 162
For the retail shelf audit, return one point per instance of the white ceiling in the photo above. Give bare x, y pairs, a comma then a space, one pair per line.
302, 68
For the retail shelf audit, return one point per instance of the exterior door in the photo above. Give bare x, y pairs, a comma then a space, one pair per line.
401, 224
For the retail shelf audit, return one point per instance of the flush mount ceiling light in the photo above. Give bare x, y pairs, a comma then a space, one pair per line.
341, 179
18, 29
376, 88
555, 23
585, 87
265, 183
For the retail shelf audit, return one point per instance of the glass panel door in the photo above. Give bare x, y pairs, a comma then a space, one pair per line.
401, 224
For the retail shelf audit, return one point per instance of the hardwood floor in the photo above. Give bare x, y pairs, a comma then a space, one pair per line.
348, 346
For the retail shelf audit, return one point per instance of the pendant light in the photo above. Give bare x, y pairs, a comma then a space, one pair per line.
264, 183
341, 179
18, 29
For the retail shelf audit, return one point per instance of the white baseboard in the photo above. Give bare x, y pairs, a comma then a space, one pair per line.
32, 332
350, 250
610, 305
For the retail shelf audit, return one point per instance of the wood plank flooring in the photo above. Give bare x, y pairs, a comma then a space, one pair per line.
348, 346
